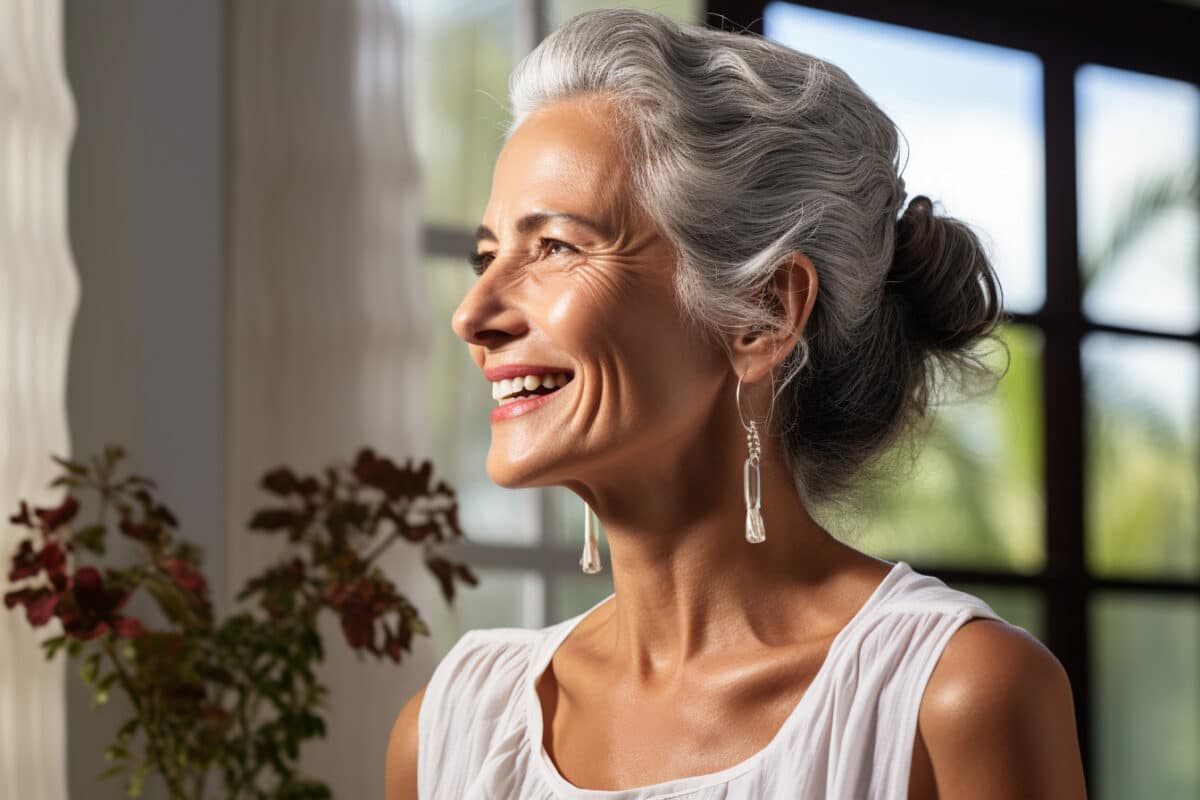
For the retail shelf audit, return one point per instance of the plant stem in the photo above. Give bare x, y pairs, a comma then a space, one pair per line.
154, 749
379, 549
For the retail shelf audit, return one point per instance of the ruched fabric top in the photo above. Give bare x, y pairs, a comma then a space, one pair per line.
849, 737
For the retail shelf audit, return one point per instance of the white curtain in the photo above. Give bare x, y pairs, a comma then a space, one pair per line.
39, 293
328, 328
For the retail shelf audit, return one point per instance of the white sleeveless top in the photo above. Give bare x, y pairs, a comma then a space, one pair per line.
849, 737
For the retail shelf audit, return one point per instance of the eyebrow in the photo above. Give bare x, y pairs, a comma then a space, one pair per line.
531, 222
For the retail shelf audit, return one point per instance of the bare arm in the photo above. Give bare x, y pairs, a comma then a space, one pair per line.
998, 719
401, 770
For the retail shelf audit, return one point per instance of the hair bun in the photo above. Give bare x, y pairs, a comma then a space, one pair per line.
943, 277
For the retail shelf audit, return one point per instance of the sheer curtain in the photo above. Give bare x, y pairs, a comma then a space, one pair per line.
39, 293
328, 330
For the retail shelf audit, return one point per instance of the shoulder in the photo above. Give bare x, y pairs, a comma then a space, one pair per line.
401, 764
476, 675
997, 717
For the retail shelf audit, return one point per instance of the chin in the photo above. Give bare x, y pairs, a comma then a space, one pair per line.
521, 473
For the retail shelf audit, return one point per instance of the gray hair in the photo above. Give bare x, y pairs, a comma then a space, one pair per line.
741, 151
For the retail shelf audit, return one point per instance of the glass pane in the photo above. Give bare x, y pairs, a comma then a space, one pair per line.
975, 496
972, 116
576, 594
680, 10
1146, 690
1139, 226
504, 598
460, 405
1141, 456
462, 54
1019, 606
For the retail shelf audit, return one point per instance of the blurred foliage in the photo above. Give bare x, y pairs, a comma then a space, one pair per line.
237, 697
1145, 202
974, 495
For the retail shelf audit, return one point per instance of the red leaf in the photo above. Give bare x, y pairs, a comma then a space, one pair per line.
53, 559
53, 517
40, 611
189, 579
142, 531
444, 571
22, 516
128, 628
281, 481
25, 562
273, 519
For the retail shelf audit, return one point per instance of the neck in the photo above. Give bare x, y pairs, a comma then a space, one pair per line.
687, 582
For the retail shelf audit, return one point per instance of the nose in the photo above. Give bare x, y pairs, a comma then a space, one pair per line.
486, 317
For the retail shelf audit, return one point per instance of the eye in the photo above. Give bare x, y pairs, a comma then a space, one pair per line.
550, 244
479, 261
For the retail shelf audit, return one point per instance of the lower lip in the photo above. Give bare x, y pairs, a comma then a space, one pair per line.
518, 407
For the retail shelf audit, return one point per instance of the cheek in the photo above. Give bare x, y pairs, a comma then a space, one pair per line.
631, 332
602, 314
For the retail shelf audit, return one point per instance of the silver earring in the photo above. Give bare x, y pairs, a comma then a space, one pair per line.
590, 561
754, 523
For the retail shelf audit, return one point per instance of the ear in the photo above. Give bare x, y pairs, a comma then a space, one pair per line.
791, 295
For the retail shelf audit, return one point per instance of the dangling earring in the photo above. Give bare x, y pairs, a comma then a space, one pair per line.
590, 561
754, 523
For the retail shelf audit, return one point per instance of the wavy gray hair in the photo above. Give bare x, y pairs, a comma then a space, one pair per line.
741, 151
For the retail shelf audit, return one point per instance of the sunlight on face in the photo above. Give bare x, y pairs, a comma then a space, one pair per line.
575, 278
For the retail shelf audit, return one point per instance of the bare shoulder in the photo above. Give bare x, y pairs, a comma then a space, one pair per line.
997, 718
401, 766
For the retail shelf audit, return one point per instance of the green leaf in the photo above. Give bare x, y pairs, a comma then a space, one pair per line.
125, 732
53, 645
103, 687
73, 467
137, 781
115, 753
90, 668
140, 480
115, 769
113, 453
91, 538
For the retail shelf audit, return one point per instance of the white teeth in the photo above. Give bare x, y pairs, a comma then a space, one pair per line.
509, 386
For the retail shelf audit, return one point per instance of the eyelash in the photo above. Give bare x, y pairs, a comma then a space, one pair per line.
476, 260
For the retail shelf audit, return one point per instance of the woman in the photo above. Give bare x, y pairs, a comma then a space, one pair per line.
691, 255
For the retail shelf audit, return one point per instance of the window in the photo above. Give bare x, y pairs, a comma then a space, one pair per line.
1068, 499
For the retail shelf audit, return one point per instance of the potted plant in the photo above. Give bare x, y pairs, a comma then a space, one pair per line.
228, 701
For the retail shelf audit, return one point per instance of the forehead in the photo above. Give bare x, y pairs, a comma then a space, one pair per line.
566, 151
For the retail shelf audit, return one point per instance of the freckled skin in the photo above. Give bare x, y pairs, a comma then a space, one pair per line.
710, 641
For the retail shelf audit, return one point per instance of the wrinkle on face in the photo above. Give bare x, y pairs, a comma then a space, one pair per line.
605, 305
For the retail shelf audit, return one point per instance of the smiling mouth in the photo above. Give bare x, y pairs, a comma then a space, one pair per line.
514, 389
